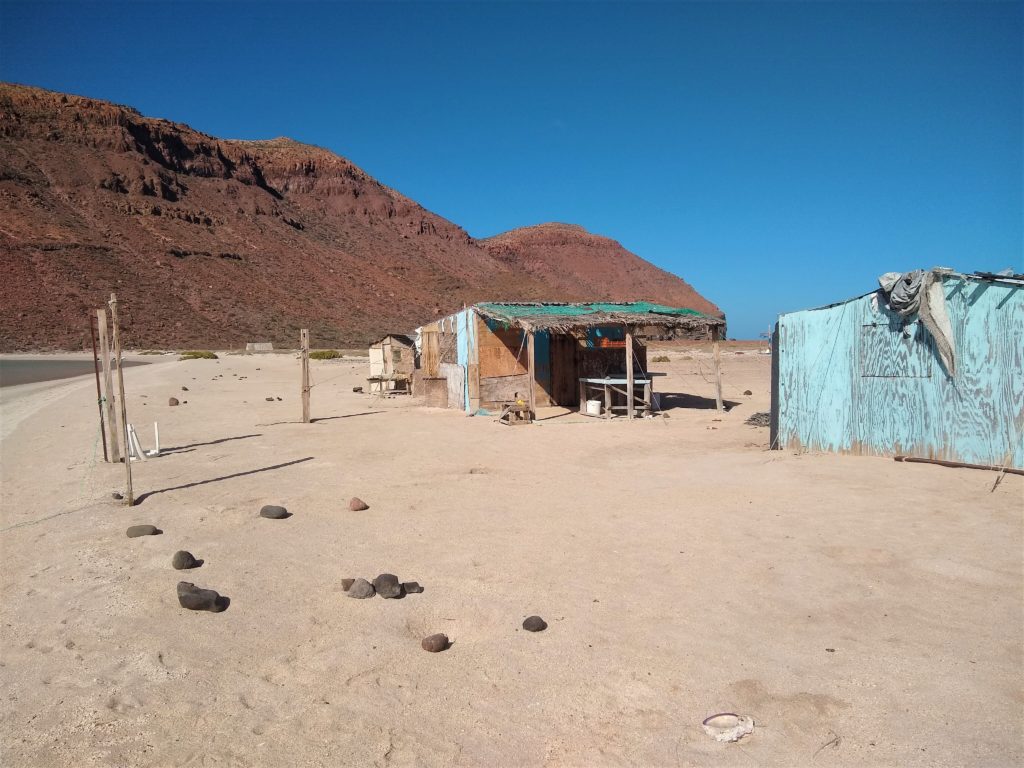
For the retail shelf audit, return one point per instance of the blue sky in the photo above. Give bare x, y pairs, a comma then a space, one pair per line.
775, 155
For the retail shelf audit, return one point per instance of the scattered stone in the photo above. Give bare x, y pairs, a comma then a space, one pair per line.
183, 560
346, 583
760, 419
412, 587
535, 624
361, 589
117, 495
435, 643
357, 389
274, 512
143, 530
195, 599
184, 389
728, 726
279, 399
172, 401
477, 471
387, 585
357, 504
747, 392
269, 399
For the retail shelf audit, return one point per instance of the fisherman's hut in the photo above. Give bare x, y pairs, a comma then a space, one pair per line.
492, 354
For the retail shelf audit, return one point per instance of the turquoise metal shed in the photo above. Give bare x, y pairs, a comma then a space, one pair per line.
856, 377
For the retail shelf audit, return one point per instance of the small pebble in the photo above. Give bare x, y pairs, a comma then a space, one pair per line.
143, 530
357, 389
357, 504
534, 624
747, 392
274, 512
279, 399
361, 589
117, 495
435, 643
195, 599
412, 587
346, 583
183, 560
269, 399
387, 585
172, 401
184, 389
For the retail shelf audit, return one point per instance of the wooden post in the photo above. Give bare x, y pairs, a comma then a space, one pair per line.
129, 497
304, 341
532, 367
99, 394
108, 388
718, 368
629, 372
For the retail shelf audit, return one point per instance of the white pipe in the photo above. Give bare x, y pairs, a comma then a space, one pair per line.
135, 440
156, 439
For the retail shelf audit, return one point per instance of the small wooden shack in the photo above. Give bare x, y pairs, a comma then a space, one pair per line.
392, 362
491, 354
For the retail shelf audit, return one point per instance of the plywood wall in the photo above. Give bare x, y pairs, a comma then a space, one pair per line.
850, 379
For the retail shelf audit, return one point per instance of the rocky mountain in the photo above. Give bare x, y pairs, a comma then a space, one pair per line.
212, 242
600, 268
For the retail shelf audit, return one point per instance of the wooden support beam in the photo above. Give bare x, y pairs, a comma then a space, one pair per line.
629, 372
129, 496
304, 343
531, 360
108, 388
99, 393
718, 368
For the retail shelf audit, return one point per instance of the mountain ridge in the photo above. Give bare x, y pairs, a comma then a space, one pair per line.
214, 242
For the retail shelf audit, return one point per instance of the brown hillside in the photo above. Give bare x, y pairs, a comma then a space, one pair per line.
600, 267
213, 242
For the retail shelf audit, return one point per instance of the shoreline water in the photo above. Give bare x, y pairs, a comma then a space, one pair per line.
15, 371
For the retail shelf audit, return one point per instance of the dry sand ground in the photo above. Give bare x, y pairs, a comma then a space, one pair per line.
869, 606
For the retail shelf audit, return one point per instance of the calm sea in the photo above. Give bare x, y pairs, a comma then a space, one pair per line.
29, 371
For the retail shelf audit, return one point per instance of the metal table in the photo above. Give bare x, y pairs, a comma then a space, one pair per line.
606, 386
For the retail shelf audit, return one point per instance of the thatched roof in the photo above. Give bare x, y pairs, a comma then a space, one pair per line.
562, 318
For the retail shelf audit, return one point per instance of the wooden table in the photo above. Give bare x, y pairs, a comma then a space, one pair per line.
606, 386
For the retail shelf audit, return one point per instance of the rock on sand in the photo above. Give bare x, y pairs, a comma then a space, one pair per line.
534, 624
361, 589
387, 585
183, 560
195, 599
143, 530
435, 643
357, 504
172, 401
274, 512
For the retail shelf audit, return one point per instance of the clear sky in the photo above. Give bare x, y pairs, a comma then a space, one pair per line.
775, 155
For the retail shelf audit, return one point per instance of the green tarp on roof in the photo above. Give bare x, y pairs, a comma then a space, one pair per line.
513, 311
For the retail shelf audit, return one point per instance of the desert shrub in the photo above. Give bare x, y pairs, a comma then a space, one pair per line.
324, 354
660, 359
198, 354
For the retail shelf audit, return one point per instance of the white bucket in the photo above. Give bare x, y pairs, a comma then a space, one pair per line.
593, 407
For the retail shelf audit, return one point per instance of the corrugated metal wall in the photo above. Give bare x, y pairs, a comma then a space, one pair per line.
851, 378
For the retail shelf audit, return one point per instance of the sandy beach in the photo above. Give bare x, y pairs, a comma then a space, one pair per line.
862, 611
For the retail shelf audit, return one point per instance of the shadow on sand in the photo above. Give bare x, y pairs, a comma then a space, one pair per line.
670, 400
146, 495
178, 448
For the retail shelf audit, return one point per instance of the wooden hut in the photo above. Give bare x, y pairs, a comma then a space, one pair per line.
392, 362
492, 354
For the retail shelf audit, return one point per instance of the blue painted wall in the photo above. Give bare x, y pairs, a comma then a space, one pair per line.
465, 339
851, 378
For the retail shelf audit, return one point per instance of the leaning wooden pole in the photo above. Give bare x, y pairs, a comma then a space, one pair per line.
304, 341
99, 394
108, 387
718, 368
129, 497
629, 372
